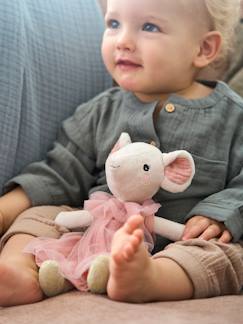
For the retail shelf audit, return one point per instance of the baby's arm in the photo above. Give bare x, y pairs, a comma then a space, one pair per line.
206, 228
11, 205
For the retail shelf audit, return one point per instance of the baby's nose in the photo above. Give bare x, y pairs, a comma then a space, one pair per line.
126, 41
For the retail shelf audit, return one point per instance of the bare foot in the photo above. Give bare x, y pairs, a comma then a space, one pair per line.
136, 277
130, 265
18, 285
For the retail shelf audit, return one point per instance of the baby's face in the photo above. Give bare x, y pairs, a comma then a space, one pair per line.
149, 45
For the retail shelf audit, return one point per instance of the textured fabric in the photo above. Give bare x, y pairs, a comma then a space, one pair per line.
209, 128
49, 63
37, 221
75, 251
215, 269
75, 308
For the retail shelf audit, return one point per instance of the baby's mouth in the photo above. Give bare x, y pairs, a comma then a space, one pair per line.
127, 64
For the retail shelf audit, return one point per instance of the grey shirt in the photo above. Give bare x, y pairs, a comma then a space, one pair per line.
209, 128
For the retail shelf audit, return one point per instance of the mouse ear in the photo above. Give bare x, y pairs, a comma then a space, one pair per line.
123, 140
179, 169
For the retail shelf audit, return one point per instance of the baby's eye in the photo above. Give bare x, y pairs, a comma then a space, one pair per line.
113, 24
146, 167
151, 28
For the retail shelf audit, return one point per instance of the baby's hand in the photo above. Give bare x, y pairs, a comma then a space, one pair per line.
206, 228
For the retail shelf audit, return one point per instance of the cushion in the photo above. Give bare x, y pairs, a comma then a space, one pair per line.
85, 308
50, 62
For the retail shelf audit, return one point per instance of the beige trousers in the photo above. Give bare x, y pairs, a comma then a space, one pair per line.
214, 268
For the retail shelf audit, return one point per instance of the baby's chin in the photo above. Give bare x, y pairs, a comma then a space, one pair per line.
141, 93
130, 86
127, 84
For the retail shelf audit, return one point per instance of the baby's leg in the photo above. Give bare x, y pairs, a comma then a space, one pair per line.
136, 277
18, 273
215, 268
36, 221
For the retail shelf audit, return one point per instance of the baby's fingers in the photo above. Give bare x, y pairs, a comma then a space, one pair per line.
226, 237
211, 232
195, 227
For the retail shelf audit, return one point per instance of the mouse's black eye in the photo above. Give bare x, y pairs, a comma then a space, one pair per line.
146, 167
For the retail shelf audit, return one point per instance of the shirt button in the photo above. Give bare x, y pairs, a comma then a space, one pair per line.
170, 108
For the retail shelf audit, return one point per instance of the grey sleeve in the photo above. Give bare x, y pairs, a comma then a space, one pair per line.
227, 205
66, 175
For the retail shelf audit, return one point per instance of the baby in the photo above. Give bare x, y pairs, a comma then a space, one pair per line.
154, 50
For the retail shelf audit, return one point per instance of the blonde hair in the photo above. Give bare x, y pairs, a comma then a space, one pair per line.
224, 16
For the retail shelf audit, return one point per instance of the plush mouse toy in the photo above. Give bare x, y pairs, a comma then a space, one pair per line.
134, 173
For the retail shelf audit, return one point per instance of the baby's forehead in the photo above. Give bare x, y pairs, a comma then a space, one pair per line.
193, 8
192, 14
160, 7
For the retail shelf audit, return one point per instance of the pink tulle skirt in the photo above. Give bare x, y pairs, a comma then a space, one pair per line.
75, 251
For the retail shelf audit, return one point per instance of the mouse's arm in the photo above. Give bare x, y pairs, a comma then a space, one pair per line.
82, 218
169, 229
74, 219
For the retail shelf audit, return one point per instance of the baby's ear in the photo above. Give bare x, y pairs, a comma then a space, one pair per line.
209, 49
179, 170
123, 140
